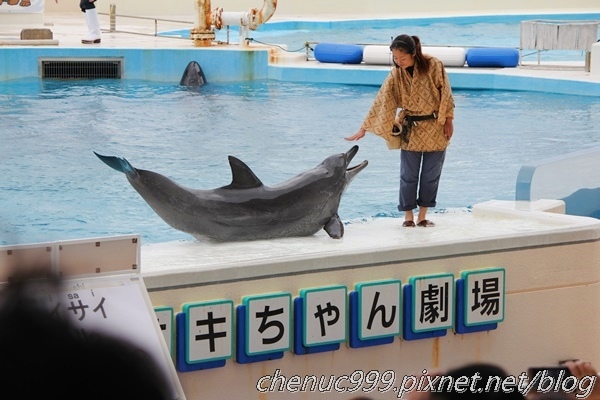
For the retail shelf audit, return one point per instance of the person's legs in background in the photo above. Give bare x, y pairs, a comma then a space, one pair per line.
92, 21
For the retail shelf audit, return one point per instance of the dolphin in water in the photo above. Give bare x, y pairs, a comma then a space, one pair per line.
246, 209
193, 76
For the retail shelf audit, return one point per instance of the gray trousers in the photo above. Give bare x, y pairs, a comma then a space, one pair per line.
419, 178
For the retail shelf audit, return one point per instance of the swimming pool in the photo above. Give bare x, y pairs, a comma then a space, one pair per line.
464, 31
54, 188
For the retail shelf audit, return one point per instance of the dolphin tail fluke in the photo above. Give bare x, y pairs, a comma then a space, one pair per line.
119, 164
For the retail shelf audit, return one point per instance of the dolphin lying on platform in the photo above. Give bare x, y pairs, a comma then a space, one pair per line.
193, 76
246, 209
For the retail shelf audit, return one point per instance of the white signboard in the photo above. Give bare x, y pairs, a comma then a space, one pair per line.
379, 309
325, 311
117, 306
268, 323
209, 331
433, 302
484, 296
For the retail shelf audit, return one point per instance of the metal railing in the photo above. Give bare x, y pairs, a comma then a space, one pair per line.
545, 35
112, 14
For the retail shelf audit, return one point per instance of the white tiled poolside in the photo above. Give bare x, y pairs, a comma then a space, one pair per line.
68, 29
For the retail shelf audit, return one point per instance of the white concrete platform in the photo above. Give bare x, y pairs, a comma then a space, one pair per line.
492, 226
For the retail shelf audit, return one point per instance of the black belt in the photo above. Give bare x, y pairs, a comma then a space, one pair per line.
415, 118
408, 122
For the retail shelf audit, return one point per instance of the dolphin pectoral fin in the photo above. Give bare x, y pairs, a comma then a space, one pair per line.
119, 164
242, 176
334, 227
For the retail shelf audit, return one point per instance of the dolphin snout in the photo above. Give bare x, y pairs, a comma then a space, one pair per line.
351, 153
349, 156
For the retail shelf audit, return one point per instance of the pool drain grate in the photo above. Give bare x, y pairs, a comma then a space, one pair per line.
81, 68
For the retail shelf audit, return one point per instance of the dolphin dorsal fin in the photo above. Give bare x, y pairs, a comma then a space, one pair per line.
242, 175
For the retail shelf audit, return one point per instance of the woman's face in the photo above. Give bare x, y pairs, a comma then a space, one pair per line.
402, 58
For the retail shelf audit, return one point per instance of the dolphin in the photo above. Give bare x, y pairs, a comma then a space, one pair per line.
246, 209
193, 75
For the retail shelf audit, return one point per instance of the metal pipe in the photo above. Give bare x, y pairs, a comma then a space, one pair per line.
202, 34
241, 19
235, 18
261, 16
203, 12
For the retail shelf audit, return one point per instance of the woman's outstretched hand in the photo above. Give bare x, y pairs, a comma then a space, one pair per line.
357, 136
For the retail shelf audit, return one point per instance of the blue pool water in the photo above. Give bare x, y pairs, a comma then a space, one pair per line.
52, 187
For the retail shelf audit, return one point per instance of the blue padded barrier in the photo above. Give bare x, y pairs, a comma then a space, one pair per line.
492, 57
338, 53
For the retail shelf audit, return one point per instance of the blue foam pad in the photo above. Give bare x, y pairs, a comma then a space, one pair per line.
492, 57
340, 53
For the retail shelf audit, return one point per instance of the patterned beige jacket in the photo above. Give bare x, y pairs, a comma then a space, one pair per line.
420, 94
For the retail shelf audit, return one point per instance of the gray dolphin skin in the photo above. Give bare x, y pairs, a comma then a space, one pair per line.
246, 209
193, 76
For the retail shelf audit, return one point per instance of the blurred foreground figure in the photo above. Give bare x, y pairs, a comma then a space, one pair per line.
45, 356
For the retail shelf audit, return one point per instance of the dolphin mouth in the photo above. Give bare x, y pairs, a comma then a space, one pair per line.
358, 168
349, 156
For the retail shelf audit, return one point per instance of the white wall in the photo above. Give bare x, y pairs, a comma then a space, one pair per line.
337, 8
552, 290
